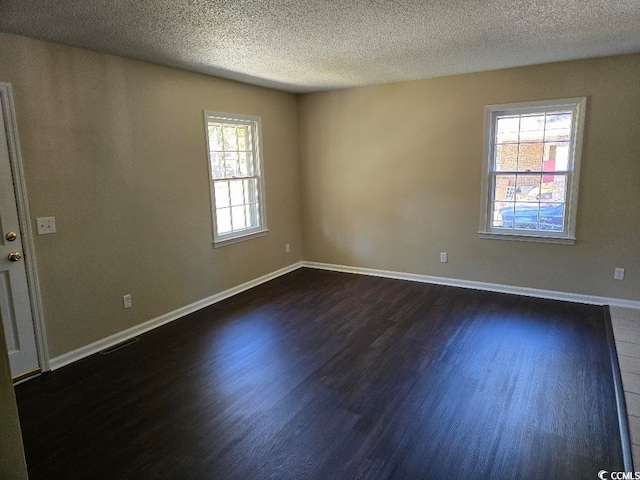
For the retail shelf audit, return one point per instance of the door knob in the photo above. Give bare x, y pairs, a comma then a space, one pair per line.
11, 236
14, 256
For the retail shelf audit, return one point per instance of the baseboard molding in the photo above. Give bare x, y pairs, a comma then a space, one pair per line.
491, 287
82, 352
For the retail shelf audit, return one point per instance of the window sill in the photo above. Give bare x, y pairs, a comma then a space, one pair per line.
241, 238
526, 238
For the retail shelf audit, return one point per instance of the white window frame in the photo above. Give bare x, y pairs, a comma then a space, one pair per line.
256, 123
567, 236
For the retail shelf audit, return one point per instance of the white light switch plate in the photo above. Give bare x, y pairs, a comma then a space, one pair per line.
46, 225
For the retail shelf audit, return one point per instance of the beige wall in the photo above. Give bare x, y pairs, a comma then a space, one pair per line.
391, 176
12, 463
115, 150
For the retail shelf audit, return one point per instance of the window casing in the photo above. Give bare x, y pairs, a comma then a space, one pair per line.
235, 176
531, 170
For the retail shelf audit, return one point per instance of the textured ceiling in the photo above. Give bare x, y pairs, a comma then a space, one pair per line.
303, 46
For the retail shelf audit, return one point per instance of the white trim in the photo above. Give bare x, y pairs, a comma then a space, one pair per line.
82, 352
490, 287
241, 238
578, 107
538, 105
24, 218
581, 112
526, 238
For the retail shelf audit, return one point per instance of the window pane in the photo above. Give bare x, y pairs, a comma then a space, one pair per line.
251, 190
215, 137
532, 128
251, 214
526, 216
237, 218
558, 127
528, 188
502, 215
251, 146
507, 129
223, 220
217, 165
237, 194
243, 137
251, 165
556, 156
221, 193
554, 188
505, 188
229, 137
506, 157
530, 157
245, 167
552, 217
231, 164
245, 191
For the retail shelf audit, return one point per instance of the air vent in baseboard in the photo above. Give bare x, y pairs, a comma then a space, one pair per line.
118, 346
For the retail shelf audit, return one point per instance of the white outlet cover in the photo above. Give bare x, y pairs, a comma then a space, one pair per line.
618, 274
46, 225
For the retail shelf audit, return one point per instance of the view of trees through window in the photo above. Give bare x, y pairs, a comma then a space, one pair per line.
235, 176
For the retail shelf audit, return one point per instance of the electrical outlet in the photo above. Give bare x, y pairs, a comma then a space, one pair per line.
46, 225
618, 274
126, 301
287, 248
444, 257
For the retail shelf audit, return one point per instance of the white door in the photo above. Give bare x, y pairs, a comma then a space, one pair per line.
15, 307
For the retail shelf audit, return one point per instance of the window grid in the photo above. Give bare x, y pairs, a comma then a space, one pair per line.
521, 172
531, 165
235, 176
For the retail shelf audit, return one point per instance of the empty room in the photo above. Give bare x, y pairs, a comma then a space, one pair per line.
346, 240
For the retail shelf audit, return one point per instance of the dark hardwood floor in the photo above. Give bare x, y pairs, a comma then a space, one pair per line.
330, 375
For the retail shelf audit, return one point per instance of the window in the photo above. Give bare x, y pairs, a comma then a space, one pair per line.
235, 176
532, 160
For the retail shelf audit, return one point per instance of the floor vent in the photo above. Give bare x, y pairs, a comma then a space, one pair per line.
118, 346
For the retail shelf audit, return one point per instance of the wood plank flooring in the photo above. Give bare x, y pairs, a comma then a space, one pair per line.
331, 375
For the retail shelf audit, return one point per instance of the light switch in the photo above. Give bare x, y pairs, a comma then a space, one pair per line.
46, 225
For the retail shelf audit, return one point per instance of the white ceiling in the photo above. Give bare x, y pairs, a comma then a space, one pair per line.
311, 45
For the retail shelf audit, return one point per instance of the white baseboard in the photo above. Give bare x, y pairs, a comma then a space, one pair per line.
491, 287
82, 352
95, 347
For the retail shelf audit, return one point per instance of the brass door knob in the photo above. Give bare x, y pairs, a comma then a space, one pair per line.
14, 256
11, 236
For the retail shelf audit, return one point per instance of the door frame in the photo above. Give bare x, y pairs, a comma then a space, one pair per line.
24, 219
